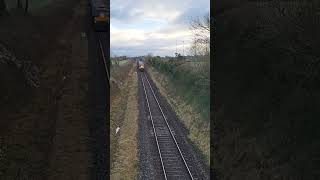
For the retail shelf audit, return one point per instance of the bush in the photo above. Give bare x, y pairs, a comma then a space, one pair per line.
190, 81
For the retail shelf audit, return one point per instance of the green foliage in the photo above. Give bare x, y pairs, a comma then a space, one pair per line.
190, 80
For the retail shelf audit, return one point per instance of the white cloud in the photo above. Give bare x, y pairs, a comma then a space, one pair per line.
132, 37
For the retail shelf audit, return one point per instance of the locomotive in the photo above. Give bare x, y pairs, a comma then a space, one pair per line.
140, 65
100, 15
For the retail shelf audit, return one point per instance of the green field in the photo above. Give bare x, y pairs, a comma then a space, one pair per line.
120, 63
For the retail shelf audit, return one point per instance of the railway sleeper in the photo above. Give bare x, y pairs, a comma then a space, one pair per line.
160, 127
163, 134
164, 138
177, 178
171, 157
169, 151
176, 174
166, 143
174, 169
169, 148
171, 164
165, 146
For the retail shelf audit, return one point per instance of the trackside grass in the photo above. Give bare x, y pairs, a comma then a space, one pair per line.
124, 114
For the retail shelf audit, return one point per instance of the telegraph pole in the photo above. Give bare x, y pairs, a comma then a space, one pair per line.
183, 48
176, 46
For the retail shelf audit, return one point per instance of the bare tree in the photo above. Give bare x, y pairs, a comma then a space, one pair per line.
201, 30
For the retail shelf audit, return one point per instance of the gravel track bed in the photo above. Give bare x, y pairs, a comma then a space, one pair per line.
146, 145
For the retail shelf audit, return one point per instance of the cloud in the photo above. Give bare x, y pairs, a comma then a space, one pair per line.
126, 37
143, 10
152, 26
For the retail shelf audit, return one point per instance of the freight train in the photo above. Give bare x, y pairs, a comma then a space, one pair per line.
100, 15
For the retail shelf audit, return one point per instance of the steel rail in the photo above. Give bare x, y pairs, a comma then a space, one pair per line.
104, 60
165, 118
154, 129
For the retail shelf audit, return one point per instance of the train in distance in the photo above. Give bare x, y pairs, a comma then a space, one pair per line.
140, 65
100, 15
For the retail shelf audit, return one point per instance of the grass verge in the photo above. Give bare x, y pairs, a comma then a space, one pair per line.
124, 152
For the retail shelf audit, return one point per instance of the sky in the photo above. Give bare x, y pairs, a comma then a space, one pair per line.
139, 27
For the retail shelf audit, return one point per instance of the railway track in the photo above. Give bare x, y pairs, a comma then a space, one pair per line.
173, 163
98, 88
100, 38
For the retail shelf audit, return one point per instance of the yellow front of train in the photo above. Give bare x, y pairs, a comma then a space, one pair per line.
141, 67
102, 18
101, 21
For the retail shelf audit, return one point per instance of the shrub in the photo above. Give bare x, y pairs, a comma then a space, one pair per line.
190, 80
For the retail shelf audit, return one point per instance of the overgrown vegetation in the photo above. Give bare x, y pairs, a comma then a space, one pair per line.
190, 80
266, 91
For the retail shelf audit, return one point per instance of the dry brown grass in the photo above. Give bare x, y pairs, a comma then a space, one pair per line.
118, 96
125, 154
186, 113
